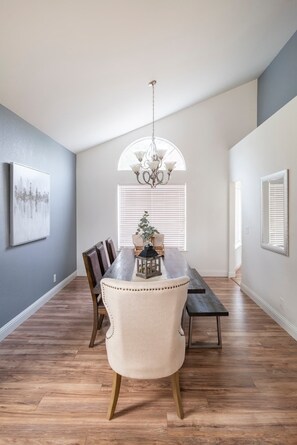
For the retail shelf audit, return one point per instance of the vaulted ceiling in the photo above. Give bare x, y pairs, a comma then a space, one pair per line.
79, 69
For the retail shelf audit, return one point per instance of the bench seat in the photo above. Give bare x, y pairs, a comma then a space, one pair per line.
205, 305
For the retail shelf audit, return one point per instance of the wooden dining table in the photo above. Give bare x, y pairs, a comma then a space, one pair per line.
175, 265
174, 262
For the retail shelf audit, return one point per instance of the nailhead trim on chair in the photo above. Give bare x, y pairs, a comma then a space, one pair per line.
147, 289
109, 314
134, 290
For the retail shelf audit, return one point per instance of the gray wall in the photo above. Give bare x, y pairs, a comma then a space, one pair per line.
278, 83
26, 271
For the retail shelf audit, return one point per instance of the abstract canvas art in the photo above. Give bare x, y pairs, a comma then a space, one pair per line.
29, 204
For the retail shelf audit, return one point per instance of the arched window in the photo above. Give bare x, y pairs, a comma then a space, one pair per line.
172, 153
166, 204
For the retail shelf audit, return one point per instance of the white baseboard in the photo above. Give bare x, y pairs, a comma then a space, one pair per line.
289, 327
30, 310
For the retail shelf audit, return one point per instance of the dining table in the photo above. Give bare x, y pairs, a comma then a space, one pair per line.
174, 265
201, 301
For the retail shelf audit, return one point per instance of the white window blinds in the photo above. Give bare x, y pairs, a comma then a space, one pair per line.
276, 214
274, 211
167, 212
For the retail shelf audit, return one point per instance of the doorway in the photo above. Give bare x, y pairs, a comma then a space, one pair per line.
235, 232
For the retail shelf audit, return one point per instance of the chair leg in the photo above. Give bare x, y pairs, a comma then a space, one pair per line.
95, 324
176, 394
100, 321
116, 385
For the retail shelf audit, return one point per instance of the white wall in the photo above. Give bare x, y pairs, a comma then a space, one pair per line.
238, 253
234, 252
268, 277
203, 133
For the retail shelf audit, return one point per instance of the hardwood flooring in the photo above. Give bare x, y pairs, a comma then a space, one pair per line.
54, 389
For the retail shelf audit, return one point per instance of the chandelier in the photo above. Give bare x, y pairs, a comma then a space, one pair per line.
151, 168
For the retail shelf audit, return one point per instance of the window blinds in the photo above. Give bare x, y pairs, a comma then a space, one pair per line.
167, 212
276, 214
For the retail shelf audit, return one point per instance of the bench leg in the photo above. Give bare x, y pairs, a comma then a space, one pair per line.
190, 332
205, 345
220, 344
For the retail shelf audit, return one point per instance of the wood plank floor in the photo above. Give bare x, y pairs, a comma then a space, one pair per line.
54, 389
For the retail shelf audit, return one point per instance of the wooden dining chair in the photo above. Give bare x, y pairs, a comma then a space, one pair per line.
94, 275
110, 250
100, 249
146, 341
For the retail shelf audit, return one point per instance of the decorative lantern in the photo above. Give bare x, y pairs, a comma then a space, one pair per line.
148, 263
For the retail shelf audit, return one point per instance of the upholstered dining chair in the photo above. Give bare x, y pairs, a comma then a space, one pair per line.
110, 250
146, 341
94, 275
102, 257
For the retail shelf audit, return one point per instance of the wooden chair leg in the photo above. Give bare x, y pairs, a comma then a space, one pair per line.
116, 385
176, 394
95, 324
100, 321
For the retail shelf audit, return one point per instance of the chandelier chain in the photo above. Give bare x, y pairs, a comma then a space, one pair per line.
153, 87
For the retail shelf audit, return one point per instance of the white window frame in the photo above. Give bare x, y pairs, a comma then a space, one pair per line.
274, 212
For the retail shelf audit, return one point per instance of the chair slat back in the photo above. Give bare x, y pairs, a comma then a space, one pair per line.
110, 250
102, 257
92, 266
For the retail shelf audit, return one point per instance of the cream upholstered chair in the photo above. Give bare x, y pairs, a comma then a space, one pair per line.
145, 339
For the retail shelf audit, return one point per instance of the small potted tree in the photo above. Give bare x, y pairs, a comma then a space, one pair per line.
147, 235
144, 234
148, 260
145, 230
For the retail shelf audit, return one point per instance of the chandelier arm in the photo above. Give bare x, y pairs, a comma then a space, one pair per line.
165, 183
142, 183
160, 176
148, 178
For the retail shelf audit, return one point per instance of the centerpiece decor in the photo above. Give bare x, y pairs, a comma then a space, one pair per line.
148, 262
147, 235
145, 230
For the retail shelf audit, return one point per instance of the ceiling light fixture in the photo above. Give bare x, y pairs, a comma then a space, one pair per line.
151, 168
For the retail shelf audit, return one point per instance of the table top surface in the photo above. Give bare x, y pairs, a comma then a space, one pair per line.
174, 262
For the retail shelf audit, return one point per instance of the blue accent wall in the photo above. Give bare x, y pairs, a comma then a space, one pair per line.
26, 271
278, 83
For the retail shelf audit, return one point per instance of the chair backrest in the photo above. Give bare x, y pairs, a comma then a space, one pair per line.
145, 339
92, 266
158, 240
102, 257
110, 250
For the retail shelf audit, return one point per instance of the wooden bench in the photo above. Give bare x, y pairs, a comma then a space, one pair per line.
205, 305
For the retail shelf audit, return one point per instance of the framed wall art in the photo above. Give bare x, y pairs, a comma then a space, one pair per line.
29, 204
